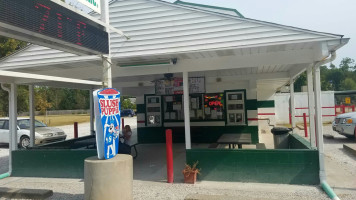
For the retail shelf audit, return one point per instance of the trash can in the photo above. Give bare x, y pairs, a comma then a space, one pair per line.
280, 137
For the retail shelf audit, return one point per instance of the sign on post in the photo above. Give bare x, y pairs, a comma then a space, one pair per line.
107, 120
49, 24
92, 4
347, 100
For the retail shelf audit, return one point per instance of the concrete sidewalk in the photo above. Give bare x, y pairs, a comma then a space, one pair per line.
70, 189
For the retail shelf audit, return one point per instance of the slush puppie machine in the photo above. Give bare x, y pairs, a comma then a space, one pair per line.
235, 104
153, 110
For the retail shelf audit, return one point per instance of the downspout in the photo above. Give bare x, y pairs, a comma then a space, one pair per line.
7, 174
325, 186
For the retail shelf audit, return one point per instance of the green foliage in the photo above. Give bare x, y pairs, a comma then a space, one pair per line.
126, 103
8, 46
333, 78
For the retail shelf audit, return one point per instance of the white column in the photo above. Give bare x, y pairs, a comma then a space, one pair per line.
188, 144
91, 112
292, 106
318, 121
13, 117
106, 60
311, 106
32, 115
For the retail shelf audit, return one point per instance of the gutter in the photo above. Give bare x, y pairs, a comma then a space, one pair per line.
7, 174
324, 185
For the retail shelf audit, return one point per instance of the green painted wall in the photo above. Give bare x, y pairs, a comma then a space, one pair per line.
209, 134
265, 104
297, 142
51, 163
250, 165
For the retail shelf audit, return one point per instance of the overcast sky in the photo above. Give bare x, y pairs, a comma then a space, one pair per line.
331, 16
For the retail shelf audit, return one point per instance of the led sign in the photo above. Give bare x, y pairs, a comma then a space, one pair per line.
49, 24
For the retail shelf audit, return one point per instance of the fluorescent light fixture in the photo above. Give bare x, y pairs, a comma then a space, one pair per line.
169, 62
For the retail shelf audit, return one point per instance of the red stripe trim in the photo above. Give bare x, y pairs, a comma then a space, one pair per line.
140, 121
266, 113
252, 119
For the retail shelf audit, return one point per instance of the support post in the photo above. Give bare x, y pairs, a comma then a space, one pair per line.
106, 60
32, 115
75, 130
92, 131
311, 106
319, 123
305, 125
188, 144
292, 106
13, 117
169, 155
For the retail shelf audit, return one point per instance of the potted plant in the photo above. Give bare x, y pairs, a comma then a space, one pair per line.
190, 173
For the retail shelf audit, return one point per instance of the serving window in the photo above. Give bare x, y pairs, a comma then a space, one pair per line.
173, 108
214, 106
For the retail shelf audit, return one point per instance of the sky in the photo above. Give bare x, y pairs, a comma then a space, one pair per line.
330, 16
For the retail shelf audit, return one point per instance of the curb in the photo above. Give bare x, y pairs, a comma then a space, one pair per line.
18, 193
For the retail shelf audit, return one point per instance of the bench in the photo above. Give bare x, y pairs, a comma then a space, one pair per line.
233, 139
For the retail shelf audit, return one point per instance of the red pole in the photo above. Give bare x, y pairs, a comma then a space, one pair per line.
343, 108
353, 108
305, 125
75, 129
290, 118
169, 156
122, 123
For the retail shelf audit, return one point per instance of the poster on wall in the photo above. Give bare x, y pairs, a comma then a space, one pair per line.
107, 121
196, 85
175, 86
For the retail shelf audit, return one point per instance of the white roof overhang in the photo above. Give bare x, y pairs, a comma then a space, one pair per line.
54, 81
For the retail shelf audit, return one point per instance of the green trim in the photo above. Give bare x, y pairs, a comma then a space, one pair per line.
298, 142
286, 166
251, 104
207, 6
265, 104
245, 105
147, 64
140, 108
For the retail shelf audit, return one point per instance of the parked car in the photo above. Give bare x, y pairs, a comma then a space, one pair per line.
43, 133
345, 124
127, 113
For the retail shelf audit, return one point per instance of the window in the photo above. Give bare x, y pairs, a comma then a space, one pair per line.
2, 122
214, 106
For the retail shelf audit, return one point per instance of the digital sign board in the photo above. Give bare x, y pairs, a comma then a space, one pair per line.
49, 24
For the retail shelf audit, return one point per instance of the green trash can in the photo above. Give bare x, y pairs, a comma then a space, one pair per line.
280, 137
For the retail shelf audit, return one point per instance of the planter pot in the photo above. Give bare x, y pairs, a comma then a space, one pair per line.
190, 178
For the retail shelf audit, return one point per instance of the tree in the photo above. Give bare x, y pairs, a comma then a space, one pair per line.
348, 84
9, 45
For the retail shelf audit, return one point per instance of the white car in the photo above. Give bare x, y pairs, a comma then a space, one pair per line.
43, 133
345, 124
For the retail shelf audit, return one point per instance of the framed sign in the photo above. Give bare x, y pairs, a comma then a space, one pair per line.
49, 24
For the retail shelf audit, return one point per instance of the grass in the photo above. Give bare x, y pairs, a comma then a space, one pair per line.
60, 120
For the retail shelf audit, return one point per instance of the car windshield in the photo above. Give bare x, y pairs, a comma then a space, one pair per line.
25, 123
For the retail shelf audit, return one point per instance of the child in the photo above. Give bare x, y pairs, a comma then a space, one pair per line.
127, 135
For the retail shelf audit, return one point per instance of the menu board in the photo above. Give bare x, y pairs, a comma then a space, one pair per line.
196, 85
175, 86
